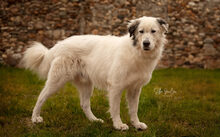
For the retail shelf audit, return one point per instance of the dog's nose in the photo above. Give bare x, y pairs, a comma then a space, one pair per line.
146, 44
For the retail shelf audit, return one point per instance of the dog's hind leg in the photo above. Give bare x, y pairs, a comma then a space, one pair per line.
56, 80
85, 90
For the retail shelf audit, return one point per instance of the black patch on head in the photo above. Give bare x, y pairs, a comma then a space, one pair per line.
161, 21
134, 41
132, 28
164, 24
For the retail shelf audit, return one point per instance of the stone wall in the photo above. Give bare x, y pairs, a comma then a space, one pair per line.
194, 33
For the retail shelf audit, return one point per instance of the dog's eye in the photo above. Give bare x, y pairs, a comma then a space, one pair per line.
153, 31
141, 31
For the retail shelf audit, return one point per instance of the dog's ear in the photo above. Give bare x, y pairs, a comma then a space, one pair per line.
132, 26
163, 24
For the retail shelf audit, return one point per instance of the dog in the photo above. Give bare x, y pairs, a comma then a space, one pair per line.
109, 62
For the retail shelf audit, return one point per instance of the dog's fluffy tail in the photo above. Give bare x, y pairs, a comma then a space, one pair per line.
36, 59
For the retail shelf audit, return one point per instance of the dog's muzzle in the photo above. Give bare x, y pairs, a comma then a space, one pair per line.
146, 45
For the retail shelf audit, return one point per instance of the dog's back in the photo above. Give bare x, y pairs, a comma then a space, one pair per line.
96, 51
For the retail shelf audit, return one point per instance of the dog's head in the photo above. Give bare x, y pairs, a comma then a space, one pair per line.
147, 32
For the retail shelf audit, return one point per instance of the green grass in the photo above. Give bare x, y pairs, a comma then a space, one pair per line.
177, 102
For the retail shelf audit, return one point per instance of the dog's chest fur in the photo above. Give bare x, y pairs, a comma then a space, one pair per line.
139, 74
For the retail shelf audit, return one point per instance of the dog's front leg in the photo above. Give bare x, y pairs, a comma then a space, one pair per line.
133, 100
114, 102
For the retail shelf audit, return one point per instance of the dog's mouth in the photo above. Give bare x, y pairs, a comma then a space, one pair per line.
146, 48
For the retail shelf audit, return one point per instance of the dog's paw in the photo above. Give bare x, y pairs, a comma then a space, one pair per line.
140, 126
37, 119
98, 120
121, 127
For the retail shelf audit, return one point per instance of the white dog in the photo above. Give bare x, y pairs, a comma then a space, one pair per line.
107, 62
